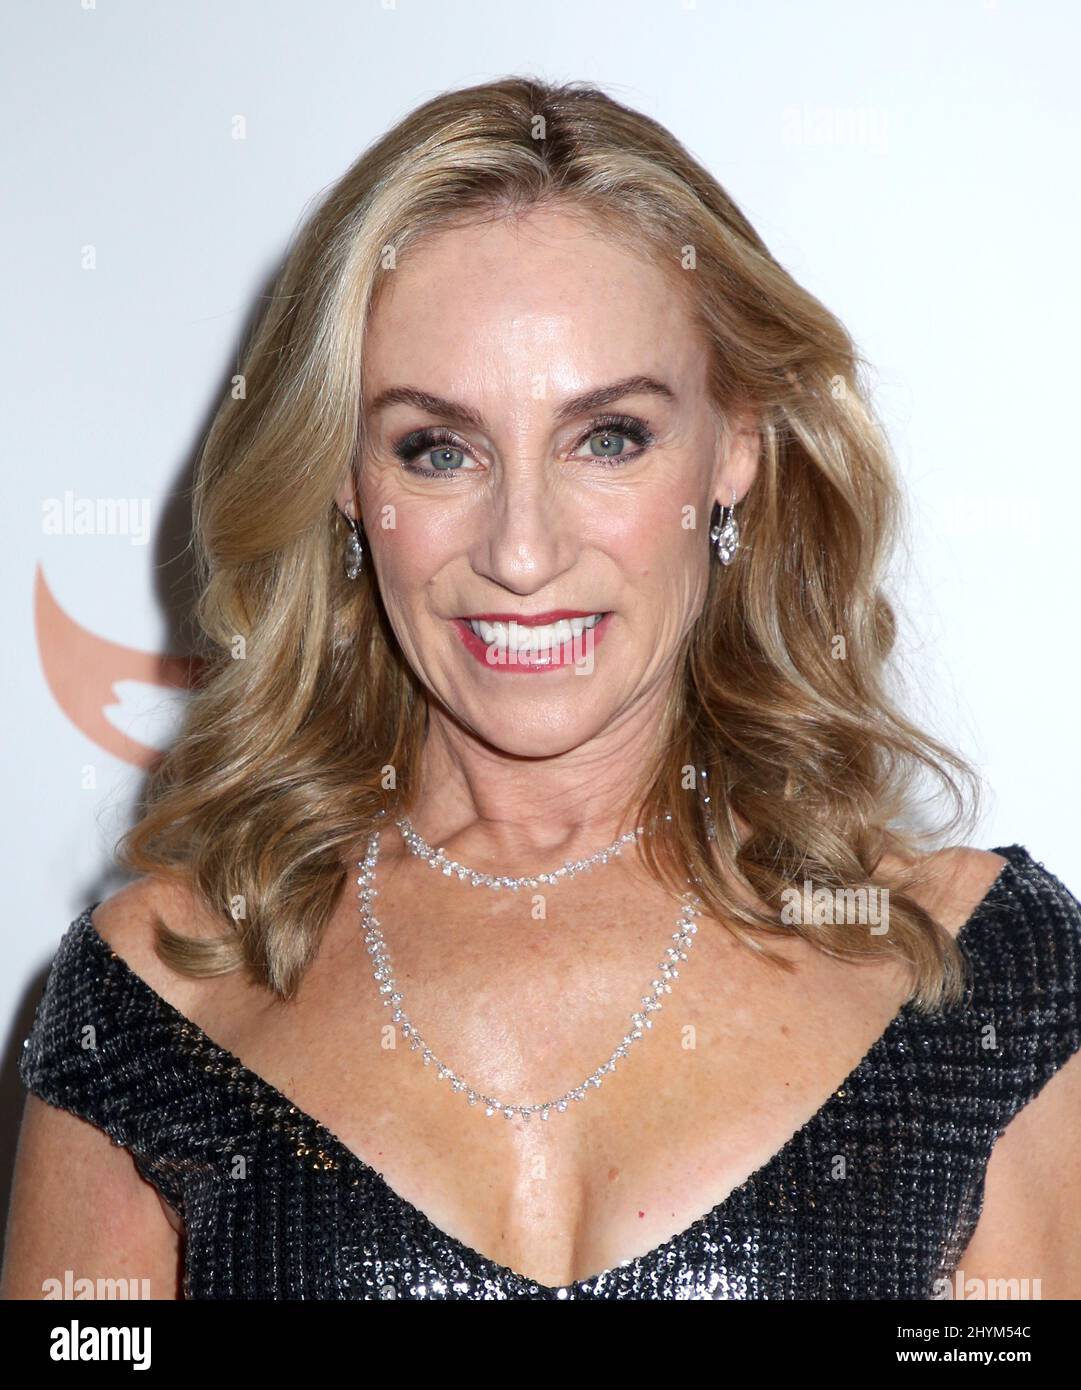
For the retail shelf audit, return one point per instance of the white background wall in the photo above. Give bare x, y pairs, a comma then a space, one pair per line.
915, 165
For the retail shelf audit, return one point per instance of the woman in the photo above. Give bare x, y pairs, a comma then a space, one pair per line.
577, 602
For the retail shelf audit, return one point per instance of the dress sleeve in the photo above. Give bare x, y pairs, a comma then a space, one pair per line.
1029, 987
95, 1049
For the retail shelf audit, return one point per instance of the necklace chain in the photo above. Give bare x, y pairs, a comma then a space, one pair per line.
437, 859
641, 1021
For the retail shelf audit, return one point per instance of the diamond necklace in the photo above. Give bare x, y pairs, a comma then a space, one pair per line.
437, 859
668, 971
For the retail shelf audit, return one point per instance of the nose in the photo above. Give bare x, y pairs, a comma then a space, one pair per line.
527, 531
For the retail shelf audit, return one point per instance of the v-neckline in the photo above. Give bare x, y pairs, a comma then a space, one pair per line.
490, 1267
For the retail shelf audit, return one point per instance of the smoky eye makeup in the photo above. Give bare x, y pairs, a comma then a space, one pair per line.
619, 427
450, 451
428, 439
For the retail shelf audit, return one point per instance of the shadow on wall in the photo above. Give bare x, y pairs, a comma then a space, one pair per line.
115, 696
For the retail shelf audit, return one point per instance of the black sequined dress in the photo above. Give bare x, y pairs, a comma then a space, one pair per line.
914, 1122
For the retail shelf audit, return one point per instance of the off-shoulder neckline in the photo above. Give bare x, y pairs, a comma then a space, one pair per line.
1014, 856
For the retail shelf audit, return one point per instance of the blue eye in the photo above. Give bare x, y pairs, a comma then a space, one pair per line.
609, 438
447, 458
614, 431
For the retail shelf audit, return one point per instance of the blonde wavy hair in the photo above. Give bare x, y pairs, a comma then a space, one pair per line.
306, 711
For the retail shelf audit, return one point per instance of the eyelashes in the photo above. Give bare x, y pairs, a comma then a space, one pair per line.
422, 441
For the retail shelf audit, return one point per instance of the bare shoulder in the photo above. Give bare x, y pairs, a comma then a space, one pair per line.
952, 882
128, 920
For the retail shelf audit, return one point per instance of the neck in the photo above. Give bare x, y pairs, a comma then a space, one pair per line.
513, 815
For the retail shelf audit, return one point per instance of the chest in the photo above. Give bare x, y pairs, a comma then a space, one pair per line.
875, 1196
737, 1059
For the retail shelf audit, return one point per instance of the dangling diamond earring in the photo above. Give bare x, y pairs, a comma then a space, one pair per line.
354, 551
725, 533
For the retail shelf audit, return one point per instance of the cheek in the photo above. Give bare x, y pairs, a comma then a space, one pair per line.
680, 570
665, 551
411, 546
405, 576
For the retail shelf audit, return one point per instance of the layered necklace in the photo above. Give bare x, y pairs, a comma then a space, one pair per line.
640, 1019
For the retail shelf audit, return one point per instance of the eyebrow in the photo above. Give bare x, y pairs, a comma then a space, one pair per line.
584, 404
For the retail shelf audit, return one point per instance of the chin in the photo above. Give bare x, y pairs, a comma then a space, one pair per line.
521, 735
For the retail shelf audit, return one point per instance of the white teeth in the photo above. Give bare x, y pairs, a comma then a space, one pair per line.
522, 637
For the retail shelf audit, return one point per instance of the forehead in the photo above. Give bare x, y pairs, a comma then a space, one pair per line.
543, 293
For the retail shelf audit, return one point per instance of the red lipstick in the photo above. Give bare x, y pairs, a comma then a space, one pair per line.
574, 651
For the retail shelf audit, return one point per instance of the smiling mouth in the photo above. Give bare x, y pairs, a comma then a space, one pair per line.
526, 635
505, 644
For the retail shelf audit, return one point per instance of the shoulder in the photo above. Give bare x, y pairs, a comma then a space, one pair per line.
1019, 928
1020, 925
1032, 927
962, 877
953, 883
104, 1044
950, 883
106, 977
128, 922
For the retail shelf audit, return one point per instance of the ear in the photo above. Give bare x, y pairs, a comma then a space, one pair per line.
736, 465
345, 498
